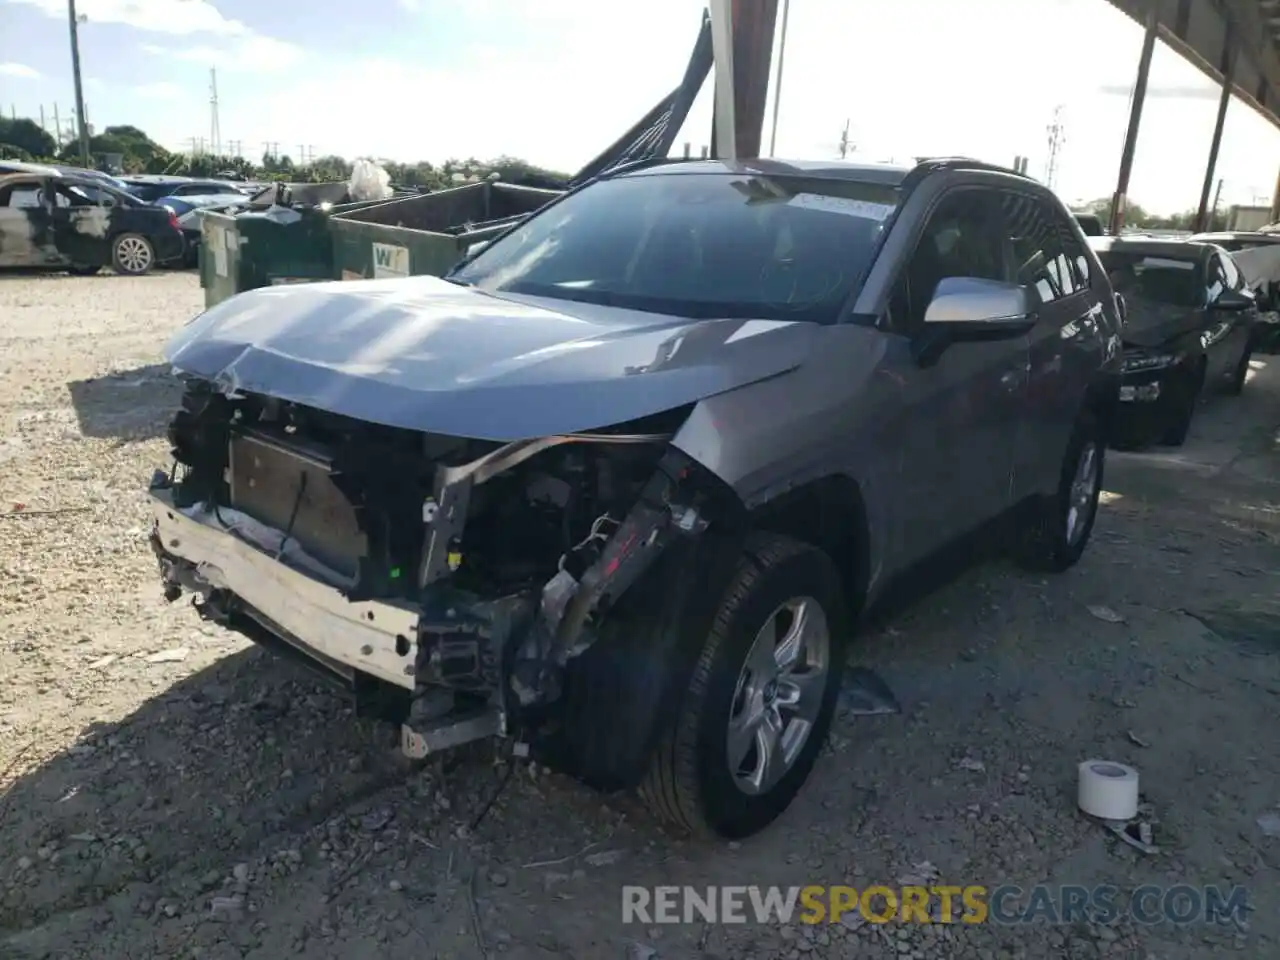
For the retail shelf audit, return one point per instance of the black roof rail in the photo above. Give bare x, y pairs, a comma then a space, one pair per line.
930, 165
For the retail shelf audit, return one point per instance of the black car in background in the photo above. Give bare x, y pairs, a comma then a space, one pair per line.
82, 225
153, 188
1189, 326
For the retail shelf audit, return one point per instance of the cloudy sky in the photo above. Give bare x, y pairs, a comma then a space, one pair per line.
554, 81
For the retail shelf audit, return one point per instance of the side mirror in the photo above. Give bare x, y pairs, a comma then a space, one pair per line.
963, 303
475, 248
969, 309
1234, 300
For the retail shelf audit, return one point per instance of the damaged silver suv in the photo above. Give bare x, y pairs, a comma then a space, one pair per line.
617, 487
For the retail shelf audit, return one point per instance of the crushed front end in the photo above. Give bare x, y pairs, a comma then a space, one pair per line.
450, 578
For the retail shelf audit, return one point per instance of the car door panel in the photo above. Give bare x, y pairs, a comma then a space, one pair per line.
954, 416
1065, 345
80, 227
26, 227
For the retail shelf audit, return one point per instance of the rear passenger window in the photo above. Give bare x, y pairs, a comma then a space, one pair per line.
1046, 253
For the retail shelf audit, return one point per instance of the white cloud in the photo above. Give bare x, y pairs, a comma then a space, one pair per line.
238, 47
555, 82
19, 70
412, 6
253, 53
157, 16
159, 91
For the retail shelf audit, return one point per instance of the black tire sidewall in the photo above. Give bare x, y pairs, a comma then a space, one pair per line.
1187, 398
1241, 372
1063, 553
727, 810
115, 255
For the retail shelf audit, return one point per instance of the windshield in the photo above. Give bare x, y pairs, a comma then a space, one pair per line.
1173, 280
696, 245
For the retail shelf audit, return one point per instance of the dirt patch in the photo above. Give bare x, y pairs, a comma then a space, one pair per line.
171, 792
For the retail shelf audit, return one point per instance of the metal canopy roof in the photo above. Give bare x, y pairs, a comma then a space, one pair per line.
1204, 31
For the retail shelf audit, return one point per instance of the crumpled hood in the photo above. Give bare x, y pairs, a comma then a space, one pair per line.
424, 354
1151, 324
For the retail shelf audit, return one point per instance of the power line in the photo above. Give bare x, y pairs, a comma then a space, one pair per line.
1057, 137
215, 129
845, 145
74, 20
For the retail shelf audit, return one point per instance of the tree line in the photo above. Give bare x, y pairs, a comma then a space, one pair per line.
24, 139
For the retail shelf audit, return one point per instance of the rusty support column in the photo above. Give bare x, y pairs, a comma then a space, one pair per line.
1119, 201
752, 27
1275, 201
1228, 64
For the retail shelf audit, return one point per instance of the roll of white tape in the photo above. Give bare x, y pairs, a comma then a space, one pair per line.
1108, 790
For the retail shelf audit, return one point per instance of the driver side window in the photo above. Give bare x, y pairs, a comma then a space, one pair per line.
1217, 278
962, 238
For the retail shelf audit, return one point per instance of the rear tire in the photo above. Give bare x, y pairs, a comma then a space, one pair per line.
711, 773
1051, 537
132, 255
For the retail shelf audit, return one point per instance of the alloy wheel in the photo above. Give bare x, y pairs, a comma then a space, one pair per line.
778, 695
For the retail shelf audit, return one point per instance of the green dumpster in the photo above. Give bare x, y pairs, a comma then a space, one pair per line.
427, 234
282, 238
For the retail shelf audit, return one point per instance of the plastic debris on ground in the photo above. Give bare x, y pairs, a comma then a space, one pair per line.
369, 181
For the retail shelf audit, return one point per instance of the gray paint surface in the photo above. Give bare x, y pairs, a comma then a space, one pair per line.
933, 449
425, 354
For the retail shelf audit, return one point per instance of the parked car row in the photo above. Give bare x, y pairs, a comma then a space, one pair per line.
59, 220
1190, 325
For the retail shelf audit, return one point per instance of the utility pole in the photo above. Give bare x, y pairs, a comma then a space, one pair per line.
777, 88
57, 127
75, 73
1213, 211
844, 141
215, 130
1057, 137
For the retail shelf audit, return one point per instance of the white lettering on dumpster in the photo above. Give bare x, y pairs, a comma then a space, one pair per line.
390, 260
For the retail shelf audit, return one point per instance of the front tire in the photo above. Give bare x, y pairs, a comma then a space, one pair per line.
1235, 386
132, 255
1185, 407
1052, 536
761, 697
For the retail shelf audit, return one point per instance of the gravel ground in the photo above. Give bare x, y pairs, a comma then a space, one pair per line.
170, 791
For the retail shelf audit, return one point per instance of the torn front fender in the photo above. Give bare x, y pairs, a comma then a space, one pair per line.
622, 692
